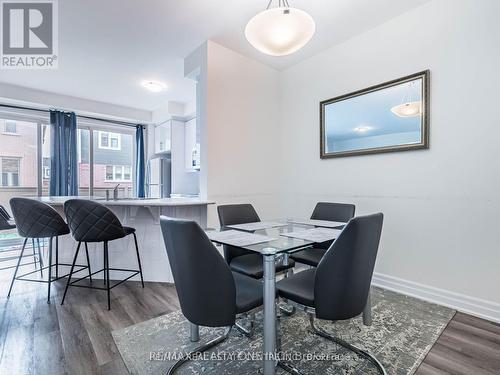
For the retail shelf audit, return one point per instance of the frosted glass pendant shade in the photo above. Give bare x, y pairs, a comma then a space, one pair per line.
280, 31
410, 109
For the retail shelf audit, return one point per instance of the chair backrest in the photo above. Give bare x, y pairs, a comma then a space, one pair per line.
35, 219
344, 274
4, 219
233, 214
333, 211
204, 282
90, 221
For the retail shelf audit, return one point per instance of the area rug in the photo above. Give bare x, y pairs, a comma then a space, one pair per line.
403, 331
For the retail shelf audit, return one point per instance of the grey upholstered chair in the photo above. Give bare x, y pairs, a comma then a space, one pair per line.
339, 287
90, 221
244, 261
341, 212
209, 293
37, 220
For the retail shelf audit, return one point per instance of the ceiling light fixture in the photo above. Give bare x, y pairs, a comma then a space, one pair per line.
154, 86
281, 30
362, 129
408, 107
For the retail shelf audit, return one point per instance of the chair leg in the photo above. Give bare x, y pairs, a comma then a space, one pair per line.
88, 261
104, 264
138, 259
107, 274
71, 272
50, 269
40, 260
200, 349
338, 341
367, 311
57, 257
17, 266
247, 331
34, 252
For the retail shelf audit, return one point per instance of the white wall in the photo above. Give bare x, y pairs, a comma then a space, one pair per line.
240, 135
441, 205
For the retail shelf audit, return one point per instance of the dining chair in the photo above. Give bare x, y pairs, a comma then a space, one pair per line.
244, 261
341, 212
210, 294
338, 288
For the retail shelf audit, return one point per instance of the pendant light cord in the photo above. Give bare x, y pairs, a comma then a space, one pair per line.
281, 4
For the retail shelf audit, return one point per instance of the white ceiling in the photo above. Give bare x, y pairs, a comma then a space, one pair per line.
107, 48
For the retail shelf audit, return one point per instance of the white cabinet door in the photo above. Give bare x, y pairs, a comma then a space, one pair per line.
163, 137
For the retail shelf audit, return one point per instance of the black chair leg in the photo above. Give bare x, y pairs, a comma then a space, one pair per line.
17, 266
106, 255
71, 272
104, 262
40, 260
34, 252
88, 261
138, 259
57, 257
50, 269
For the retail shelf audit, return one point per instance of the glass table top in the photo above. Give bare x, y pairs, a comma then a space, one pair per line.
280, 244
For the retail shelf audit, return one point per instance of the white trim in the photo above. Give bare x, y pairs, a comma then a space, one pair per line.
474, 306
111, 135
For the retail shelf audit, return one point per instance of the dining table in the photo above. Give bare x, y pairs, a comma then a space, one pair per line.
275, 240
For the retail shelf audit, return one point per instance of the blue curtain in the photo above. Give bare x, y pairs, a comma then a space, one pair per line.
140, 169
63, 154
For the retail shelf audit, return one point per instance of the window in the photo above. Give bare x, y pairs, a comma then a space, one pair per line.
109, 141
10, 127
118, 173
10, 172
46, 168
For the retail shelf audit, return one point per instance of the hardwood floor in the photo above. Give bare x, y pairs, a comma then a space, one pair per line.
37, 338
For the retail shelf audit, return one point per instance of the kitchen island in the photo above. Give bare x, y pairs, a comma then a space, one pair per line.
144, 216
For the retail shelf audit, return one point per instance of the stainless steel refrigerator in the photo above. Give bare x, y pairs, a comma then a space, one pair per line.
159, 176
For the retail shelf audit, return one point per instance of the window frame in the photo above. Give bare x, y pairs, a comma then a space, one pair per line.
111, 135
103, 126
41, 119
10, 174
7, 132
114, 169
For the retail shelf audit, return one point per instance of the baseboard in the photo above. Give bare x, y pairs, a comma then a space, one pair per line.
474, 306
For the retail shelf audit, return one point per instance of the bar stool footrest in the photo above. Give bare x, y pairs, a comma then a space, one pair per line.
134, 273
21, 277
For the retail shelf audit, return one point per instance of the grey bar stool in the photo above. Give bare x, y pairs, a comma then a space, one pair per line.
90, 221
7, 223
37, 220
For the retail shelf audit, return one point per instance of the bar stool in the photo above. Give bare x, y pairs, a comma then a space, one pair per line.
37, 220
7, 223
90, 221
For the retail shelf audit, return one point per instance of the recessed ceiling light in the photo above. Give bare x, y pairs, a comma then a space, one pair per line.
154, 86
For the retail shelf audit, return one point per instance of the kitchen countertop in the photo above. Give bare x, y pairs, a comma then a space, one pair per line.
143, 202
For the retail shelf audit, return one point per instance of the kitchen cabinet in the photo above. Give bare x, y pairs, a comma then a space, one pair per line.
163, 137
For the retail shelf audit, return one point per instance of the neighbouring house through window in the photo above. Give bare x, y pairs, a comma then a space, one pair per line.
118, 173
10, 127
10, 171
110, 141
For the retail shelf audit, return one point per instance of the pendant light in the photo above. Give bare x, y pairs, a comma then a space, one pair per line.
408, 107
281, 30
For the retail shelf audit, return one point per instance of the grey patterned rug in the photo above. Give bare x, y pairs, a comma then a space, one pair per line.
403, 331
